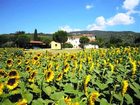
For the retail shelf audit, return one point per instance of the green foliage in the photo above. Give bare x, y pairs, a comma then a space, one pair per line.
60, 36
35, 37
22, 40
67, 45
106, 70
46, 40
83, 40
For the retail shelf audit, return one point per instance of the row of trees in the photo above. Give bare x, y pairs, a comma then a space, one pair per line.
21, 39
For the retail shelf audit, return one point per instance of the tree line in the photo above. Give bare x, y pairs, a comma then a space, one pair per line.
103, 39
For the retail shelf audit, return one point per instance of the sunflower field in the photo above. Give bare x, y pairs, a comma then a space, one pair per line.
90, 77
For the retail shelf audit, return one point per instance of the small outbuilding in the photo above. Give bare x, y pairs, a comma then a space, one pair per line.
55, 45
35, 44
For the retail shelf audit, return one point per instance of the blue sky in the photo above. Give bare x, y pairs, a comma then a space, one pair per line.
49, 16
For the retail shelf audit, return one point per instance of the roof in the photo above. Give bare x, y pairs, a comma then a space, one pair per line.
36, 42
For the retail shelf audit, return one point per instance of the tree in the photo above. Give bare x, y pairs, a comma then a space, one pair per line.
22, 40
83, 40
61, 37
35, 35
47, 40
115, 42
67, 45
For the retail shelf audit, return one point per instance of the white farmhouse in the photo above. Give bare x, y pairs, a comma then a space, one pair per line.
74, 40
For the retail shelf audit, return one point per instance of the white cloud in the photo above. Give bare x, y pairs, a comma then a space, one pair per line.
120, 19
67, 28
98, 25
88, 7
130, 4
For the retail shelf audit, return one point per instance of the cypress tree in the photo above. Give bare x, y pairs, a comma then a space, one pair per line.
35, 35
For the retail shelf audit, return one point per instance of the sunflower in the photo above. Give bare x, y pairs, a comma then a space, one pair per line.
134, 68
13, 74
50, 65
18, 61
59, 76
111, 67
86, 81
39, 54
12, 83
67, 100
28, 68
27, 61
9, 62
2, 73
22, 102
66, 68
49, 75
125, 86
1, 88
32, 76
93, 97
35, 59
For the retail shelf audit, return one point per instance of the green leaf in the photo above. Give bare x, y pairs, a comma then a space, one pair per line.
61, 102
103, 101
138, 96
137, 86
57, 95
109, 80
68, 88
137, 91
28, 97
101, 86
39, 101
47, 90
118, 96
6, 102
129, 99
35, 88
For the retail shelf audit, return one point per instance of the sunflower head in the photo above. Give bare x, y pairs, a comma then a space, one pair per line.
49, 76
22, 102
67, 100
9, 62
13, 74
39, 54
18, 61
1, 88
12, 83
66, 68
28, 68
2, 73
93, 97
35, 58
32, 76
125, 86
27, 61
59, 76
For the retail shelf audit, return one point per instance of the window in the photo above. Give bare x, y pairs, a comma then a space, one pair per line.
55, 45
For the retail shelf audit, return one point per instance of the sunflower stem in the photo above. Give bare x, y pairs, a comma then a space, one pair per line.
111, 98
41, 85
122, 101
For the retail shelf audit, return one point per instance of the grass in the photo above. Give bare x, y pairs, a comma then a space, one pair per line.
54, 51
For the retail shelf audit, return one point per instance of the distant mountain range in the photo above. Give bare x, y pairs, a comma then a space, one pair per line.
107, 34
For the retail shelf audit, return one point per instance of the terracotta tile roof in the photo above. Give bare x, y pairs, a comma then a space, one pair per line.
36, 42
